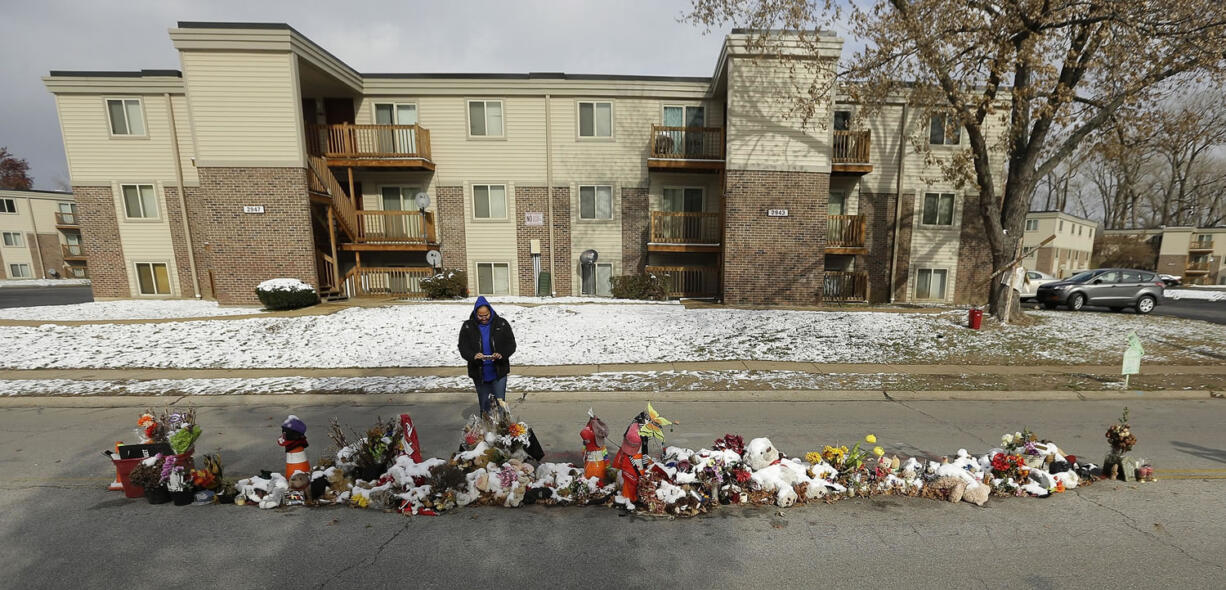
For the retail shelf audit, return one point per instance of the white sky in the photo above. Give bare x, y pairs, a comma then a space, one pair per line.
640, 37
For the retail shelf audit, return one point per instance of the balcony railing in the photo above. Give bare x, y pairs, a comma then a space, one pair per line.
76, 272
845, 231
1198, 266
671, 227
688, 281
843, 287
401, 227
325, 268
393, 281
62, 218
1201, 243
851, 147
687, 143
321, 180
72, 251
350, 141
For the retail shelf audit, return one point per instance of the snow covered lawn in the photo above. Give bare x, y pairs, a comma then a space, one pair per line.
425, 336
44, 283
125, 310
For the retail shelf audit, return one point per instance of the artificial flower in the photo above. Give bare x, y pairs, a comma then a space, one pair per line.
870, 439
878, 451
813, 457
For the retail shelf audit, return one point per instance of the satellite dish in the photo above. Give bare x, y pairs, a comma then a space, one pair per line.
433, 258
422, 200
589, 257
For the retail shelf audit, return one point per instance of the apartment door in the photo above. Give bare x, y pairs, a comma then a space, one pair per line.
399, 141
73, 239
685, 142
400, 198
688, 201
68, 212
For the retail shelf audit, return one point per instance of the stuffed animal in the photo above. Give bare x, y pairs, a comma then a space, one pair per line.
760, 453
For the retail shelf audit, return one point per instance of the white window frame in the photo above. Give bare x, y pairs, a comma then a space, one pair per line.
110, 123
593, 290
948, 131
944, 284
170, 288
505, 202
8, 206
493, 278
1032, 225
485, 102
953, 210
15, 237
16, 271
595, 127
123, 202
595, 209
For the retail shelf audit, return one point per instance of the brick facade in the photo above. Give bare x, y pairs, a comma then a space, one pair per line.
242, 250
563, 264
452, 241
1172, 264
974, 256
1043, 260
178, 239
530, 199
774, 260
905, 224
100, 241
878, 211
52, 253
636, 221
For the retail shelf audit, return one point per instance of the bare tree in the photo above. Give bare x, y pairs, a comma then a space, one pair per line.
1060, 71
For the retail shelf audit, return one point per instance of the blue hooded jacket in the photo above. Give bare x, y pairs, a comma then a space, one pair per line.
488, 373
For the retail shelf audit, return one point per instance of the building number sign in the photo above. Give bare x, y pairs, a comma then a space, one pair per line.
253, 208
776, 212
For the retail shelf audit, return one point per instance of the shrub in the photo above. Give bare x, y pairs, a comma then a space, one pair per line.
645, 286
447, 284
286, 294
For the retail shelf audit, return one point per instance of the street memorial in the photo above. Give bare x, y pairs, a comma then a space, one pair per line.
498, 462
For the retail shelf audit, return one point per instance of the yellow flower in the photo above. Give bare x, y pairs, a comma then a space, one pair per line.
878, 451
870, 439
813, 457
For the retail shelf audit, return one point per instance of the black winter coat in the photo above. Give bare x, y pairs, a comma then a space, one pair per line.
502, 341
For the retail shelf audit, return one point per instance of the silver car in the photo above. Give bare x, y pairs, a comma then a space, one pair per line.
1115, 288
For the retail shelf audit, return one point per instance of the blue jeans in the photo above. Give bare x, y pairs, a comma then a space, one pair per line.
496, 388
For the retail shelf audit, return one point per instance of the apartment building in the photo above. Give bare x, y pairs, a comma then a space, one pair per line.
1071, 249
1194, 254
40, 236
266, 156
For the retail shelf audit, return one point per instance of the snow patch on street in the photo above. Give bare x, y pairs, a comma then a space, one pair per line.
7, 283
1195, 294
125, 310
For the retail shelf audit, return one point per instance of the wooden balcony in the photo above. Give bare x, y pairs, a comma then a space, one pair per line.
66, 220
386, 281
1198, 267
688, 281
845, 234
76, 271
1202, 244
851, 152
73, 252
394, 230
323, 184
686, 149
844, 287
684, 232
371, 146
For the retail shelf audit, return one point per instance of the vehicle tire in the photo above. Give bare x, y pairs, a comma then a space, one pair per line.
1049, 306
1076, 301
1145, 304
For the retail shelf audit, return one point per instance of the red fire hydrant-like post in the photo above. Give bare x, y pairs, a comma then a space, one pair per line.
974, 318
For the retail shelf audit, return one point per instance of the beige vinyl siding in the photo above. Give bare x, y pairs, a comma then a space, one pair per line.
145, 240
96, 157
490, 240
602, 235
19, 223
763, 133
935, 247
244, 107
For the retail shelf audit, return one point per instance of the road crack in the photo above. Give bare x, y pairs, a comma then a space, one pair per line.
371, 559
1131, 523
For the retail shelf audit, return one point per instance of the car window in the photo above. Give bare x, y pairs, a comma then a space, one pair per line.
1109, 277
1130, 276
1032, 275
1148, 277
1083, 277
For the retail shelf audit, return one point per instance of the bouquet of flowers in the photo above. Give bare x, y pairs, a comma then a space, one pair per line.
1120, 435
370, 456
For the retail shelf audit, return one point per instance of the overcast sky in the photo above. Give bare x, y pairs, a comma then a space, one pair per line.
574, 36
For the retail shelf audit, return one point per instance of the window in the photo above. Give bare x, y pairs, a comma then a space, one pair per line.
597, 279
930, 283
938, 209
679, 140
139, 201
1080, 228
398, 141
943, 130
396, 198
595, 119
8, 206
493, 278
596, 202
837, 204
485, 118
842, 120
489, 201
153, 278
1061, 226
13, 239
19, 271
126, 117
683, 199
1032, 225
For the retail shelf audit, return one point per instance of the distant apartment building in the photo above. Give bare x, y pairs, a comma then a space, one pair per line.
40, 236
1194, 254
1071, 249
267, 156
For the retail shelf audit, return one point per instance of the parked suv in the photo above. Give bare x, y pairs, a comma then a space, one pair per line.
1115, 288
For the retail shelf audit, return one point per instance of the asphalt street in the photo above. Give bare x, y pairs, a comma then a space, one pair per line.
58, 524
1209, 311
31, 296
